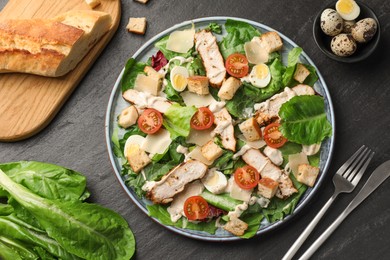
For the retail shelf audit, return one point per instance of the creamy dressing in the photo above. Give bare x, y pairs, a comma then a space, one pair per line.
286, 95
221, 126
217, 106
183, 150
242, 151
182, 60
274, 155
311, 149
148, 100
238, 210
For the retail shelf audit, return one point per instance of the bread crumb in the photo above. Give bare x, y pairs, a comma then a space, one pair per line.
142, 1
137, 25
93, 3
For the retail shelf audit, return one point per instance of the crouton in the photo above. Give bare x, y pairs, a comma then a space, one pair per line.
267, 187
142, 1
307, 174
137, 158
137, 25
198, 85
236, 226
301, 73
149, 84
211, 151
271, 41
229, 88
250, 129
128, 117
93, 3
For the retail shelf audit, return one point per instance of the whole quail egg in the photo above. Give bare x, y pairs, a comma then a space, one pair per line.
347, 27
364, 30
331, 22
343, 45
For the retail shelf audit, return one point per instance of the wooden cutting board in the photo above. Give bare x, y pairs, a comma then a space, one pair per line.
27, 102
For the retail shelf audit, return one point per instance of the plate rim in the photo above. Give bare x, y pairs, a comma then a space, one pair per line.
211, 237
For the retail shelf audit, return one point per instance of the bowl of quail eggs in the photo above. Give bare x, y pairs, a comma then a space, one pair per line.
347, 31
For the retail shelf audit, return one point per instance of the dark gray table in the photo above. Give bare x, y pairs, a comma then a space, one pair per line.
361, 98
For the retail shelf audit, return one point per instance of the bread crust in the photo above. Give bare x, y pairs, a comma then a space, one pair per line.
50, 47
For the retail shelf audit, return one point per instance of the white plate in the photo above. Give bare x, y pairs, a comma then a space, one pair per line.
117, 104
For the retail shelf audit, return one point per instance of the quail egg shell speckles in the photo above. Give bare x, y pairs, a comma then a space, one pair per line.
331, 22
364, 30
343, 45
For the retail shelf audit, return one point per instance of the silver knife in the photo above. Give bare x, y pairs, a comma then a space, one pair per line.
377, 178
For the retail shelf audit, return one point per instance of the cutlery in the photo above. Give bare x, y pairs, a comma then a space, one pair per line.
377, 178
345, 180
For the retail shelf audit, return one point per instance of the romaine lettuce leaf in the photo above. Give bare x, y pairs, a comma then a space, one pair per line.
177, 120
132, 69
304, 120
238, 33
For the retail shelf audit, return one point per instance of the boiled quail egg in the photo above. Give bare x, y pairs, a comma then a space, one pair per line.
260, 75
331, 22
343, 45
348, 9
179, 77
364, 30
132, 142
215, 181
347, 28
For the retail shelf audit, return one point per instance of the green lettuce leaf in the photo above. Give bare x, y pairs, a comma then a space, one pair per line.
215, 28
238, 33
47, 180
304, 120
132, 69
160, 212
83, 229
177, 120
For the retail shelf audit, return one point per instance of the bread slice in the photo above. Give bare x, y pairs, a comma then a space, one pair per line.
50, 47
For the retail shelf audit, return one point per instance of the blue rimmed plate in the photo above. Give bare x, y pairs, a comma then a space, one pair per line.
117, 104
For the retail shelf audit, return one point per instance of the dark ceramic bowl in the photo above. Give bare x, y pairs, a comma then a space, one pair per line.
363, 49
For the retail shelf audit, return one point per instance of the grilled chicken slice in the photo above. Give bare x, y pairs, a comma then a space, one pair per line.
224, 127
174, 182
206, 45
268, 111
144, 100
267, 169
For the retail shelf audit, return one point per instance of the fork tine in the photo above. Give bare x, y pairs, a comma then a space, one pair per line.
359, 161
353, 169
345, 166
362, 170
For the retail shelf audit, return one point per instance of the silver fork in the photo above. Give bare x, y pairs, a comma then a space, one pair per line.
345, 180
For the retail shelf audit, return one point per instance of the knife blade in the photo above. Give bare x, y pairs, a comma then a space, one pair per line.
379, 175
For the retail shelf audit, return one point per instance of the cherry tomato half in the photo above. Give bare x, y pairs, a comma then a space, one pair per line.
202, 119
273, 137
237, 65
196, 208
150, 121
246, 177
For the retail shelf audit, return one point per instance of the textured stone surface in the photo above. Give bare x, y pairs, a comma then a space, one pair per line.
361, 98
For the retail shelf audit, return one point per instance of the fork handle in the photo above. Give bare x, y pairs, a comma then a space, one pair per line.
301, 239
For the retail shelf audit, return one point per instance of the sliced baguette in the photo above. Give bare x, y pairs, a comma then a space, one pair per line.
50, 47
